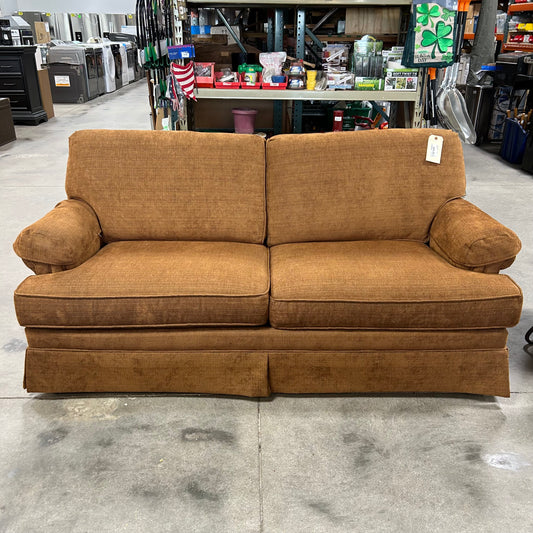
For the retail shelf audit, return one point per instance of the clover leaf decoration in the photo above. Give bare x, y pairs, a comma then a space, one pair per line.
446, 14
438, 39
427, 14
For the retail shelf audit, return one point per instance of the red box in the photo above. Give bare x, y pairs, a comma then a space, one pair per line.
204, 81
248, 85
275, 86
225, 84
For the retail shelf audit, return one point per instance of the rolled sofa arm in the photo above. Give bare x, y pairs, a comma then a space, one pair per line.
469, 238
63, 239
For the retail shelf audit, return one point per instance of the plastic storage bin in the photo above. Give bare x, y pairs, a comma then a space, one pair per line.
204, 75
276, 85
225, 84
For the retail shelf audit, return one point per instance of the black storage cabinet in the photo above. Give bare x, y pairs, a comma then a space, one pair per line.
19, 83
7, 130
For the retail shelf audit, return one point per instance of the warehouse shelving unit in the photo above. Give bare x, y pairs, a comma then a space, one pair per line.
517, 47
275, 43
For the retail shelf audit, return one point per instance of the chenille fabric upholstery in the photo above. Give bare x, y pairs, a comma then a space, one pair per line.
384, 285
142, 283
469, 238
146, 185
263, 338
63, 239
154, 275
339, 187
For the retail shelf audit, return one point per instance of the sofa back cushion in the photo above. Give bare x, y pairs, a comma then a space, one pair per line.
159, 185
362, 185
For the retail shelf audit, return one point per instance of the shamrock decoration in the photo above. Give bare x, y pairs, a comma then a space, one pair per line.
438, 38
446, 14
427, 14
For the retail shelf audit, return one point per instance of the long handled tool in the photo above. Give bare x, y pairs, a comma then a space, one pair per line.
450, 102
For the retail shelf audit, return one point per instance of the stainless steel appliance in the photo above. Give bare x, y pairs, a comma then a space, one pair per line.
117, 58
21, 31
68, 74
6, 38
84, 26
60, 26
111, 23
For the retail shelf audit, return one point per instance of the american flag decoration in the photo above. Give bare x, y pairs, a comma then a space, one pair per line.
184, 75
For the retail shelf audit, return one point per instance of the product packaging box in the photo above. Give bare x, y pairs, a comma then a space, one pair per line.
46, 93
335, 57
222, 30
368, 84
42, 32
181, 51
401, 79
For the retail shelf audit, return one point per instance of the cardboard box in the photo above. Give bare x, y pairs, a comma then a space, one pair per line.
401, 79
372, 20
222, 30
210, 38
42, 32
46, 93
470, 26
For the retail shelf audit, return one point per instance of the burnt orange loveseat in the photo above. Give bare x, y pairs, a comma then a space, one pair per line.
220, 263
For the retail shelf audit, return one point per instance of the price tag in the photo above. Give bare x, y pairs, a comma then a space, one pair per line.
434, 150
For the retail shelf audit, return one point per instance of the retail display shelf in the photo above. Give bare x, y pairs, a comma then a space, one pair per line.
472, 36
262, 94
517, 8
518, 47
303, 3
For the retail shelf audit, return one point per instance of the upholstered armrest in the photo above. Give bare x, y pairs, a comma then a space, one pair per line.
469, 238
63, 239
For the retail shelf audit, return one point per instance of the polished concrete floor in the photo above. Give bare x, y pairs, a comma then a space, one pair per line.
359, 463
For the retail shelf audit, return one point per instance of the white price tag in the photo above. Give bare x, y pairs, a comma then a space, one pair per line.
434, 150
62, 81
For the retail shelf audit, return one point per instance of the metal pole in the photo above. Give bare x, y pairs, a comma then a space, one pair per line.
270, 34
278, 47
230, 30
300, 51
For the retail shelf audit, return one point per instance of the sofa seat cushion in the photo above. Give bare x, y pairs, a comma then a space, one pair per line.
153, 283
386, 285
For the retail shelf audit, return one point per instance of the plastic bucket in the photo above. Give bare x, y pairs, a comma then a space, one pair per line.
244, 120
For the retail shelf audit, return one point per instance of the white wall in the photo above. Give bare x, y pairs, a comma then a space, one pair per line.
68, 6
7, 7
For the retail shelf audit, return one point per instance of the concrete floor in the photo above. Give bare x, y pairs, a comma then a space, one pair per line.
157, 463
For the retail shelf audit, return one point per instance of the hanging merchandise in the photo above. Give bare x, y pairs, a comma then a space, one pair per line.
176, 96
154, 31
431, 35
184, 75
451, 105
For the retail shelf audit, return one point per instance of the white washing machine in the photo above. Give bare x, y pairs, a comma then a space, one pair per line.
109, 68
124, 56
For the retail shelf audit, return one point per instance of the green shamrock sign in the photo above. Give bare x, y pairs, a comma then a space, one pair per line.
427, 14
438, 38
446, 14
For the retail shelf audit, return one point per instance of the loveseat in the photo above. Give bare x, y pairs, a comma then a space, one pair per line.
220, 263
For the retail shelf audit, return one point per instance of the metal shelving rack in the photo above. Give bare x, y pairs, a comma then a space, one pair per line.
512, 9
275, 43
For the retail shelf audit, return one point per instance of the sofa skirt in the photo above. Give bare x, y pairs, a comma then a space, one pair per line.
256, 362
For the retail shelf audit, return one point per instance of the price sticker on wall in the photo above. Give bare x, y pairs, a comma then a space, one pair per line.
434, 149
